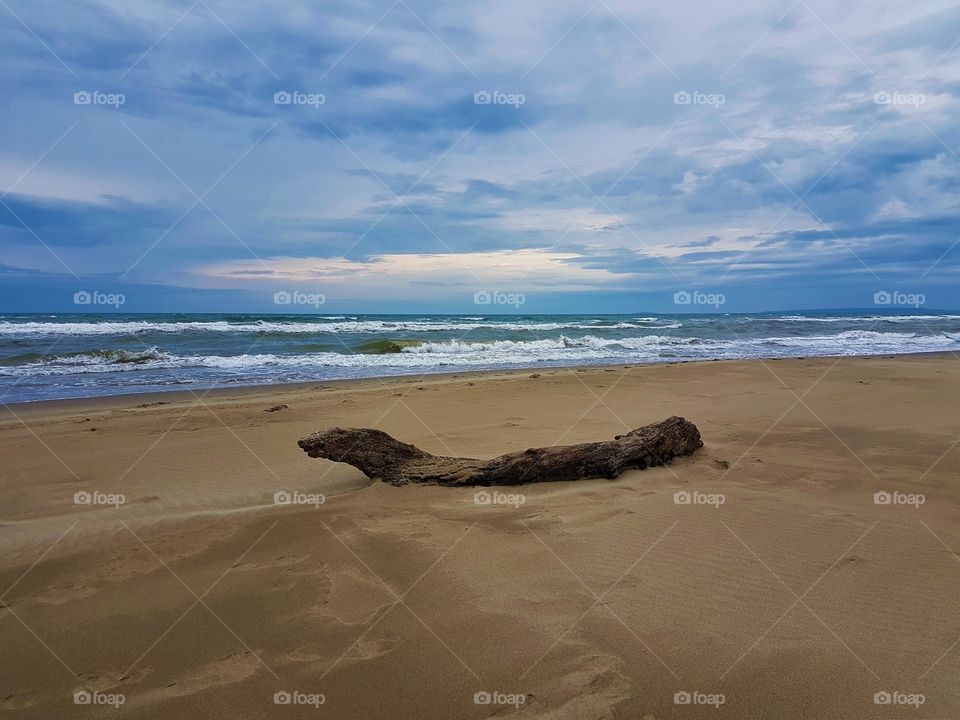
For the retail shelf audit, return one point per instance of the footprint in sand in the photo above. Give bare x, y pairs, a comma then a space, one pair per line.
110, 680
294, 567
20, 701
366, 649
224, 671
352, 599
307, 653
91, 682
61, 595
594, 688
281, 561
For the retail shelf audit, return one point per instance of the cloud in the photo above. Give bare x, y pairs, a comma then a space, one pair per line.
58, 222
529, 270
598, 176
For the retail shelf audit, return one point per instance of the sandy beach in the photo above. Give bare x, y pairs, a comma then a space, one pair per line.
146, 563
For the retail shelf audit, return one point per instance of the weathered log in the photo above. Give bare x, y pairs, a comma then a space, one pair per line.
382, 457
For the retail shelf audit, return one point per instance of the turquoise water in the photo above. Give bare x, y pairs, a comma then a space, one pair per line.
63, 355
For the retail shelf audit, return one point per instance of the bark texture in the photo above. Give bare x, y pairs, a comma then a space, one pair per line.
382, 457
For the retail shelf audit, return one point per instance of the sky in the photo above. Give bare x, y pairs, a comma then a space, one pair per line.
425, 156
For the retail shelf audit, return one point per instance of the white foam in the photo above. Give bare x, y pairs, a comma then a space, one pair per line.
460, 353
862, 318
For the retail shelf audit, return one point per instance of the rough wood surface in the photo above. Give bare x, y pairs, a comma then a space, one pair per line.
382, 457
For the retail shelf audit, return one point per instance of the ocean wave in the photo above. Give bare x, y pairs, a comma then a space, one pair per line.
340, 324
521, 348
494, 353
347, 324
851, 319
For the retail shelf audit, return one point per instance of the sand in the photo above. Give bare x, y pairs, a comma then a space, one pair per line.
782, 590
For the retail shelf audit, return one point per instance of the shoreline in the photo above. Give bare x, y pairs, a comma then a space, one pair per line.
246, 391
102, 355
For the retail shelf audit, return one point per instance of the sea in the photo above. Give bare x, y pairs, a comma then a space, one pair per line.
56, 356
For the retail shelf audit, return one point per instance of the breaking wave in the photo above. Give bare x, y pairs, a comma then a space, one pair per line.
493, 353
48, 356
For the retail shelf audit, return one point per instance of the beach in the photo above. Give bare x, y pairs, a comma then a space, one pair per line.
177, 555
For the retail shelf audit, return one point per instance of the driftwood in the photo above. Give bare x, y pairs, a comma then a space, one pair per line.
382, 457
